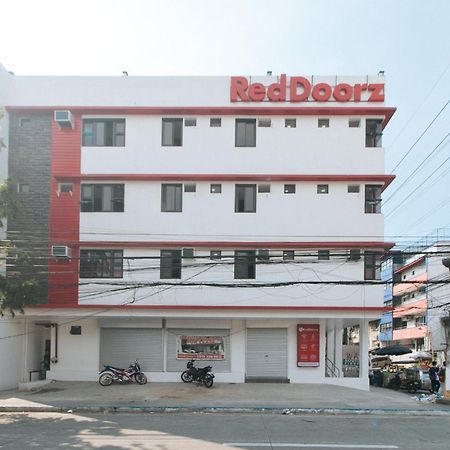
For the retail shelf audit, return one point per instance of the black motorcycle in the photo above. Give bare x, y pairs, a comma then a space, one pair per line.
111, 373
198, 374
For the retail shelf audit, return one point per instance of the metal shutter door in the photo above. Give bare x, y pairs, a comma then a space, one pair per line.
120, 346
177, 365
267, 352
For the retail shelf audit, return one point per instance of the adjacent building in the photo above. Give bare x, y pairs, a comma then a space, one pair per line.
235, 220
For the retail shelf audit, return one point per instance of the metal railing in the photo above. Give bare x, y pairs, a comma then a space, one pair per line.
331, 370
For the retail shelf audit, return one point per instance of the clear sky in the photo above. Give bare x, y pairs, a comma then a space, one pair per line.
408, 39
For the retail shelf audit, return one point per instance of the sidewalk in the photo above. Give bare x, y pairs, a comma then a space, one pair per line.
180, 397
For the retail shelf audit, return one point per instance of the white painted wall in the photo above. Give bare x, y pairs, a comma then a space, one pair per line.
11, 352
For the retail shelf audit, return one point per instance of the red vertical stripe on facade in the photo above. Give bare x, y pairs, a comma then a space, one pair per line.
64, 213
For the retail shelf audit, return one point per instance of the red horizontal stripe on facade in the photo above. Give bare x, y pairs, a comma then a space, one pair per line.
228, 307
233, 244
386, 112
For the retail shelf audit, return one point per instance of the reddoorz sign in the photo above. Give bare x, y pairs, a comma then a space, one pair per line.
301, 89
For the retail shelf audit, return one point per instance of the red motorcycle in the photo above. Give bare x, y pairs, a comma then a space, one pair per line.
111, 373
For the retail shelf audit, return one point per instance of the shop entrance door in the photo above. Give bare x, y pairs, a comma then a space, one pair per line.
267, 355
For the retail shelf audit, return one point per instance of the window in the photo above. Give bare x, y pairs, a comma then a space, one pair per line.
215, 254
216, 188
101, 264
192, 122
354, 254
102, 198
354, 123
190, 187
172, 132
104, 132
24, 121
322, 188
290, 123
353, 188
264, 123
288, 255
289, 188
323, 255
372, 204
245, 198
215, 122
263, 188
374, 131
371, 266
245, 133
323, 123
65, 187
263, 255
171, 197
170, 264
188, 253
244, 264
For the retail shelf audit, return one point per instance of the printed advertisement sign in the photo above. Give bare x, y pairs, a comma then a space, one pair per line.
201, 347
308, 341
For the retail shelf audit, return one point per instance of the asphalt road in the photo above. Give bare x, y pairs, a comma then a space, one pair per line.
199, 431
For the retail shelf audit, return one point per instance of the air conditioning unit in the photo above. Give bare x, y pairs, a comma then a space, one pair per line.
64, 119
60, 251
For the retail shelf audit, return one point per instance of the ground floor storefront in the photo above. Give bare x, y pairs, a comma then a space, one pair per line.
240, 349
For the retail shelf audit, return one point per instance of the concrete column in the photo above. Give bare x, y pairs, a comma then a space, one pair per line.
339, 334
364, 349
331, 345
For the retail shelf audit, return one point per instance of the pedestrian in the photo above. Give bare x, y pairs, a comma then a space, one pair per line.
433, 374
441, 374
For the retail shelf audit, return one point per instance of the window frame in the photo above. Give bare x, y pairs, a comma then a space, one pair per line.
372, 198
249, 139
96, 201
111, 266
177, 200
372, 265
170, 264
374, 133
177, 126
237, 199
110, 125
245, 264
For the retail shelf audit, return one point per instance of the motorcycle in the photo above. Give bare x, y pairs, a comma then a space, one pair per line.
198, 374
111, 373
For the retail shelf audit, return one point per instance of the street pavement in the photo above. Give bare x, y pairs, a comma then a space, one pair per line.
222, 397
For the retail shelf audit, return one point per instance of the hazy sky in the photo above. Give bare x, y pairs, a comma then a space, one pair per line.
408, 39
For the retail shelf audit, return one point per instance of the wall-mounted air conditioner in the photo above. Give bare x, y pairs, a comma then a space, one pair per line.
60, 251
64, 119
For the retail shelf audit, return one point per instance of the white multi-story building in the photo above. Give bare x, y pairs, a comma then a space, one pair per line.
235, 220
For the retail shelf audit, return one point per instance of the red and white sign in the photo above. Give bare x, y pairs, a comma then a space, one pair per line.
300, 89
308, 341
201, 347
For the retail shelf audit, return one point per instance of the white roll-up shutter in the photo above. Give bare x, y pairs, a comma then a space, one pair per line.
121, 346
267, 353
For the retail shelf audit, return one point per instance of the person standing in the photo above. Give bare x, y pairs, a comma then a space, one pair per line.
441, 375
433, 374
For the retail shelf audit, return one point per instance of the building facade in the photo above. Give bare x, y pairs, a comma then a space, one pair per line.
233, 220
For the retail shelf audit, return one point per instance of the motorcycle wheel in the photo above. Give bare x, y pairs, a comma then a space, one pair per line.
208, 381
140, 378
105, 379
187, 377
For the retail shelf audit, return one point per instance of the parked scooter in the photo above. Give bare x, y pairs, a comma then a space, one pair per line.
133, 373
199, 374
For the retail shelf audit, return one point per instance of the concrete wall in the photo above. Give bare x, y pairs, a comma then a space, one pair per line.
11, 352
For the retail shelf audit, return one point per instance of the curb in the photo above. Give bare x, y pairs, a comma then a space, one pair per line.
222, 410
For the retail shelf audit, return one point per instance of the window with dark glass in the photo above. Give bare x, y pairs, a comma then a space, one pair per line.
216, 188
322, 188
215, 122
245, 198
170, 264
172, 132
264, 188
190, 187
263, 255
288, 255
215, 254
101, 264
323, 255
245, 133
289, 188
371, 266
188, 253
244, 264
354, 254
171, 197
102, 198
372, 203
374, 132
104, 132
